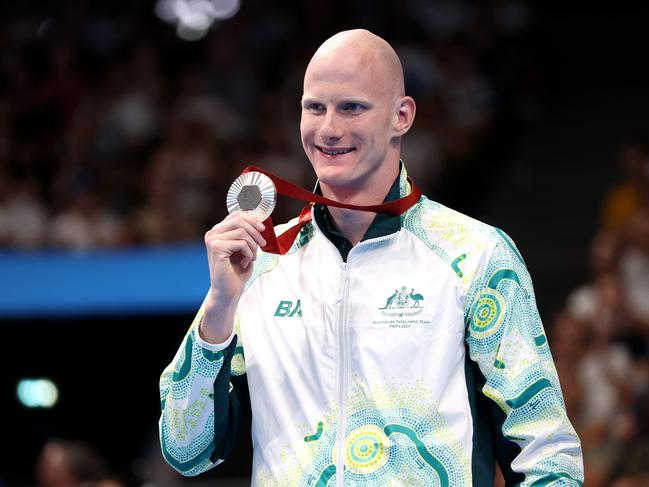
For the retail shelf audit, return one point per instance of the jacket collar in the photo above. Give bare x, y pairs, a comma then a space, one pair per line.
382, 225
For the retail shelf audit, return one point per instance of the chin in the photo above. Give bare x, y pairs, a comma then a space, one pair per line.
333, 167
333, 175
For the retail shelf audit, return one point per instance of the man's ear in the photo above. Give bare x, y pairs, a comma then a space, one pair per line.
405, 115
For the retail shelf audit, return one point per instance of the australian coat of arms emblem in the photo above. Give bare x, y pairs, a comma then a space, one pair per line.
403, 303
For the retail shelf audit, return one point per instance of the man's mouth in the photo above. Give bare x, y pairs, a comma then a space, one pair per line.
331, 151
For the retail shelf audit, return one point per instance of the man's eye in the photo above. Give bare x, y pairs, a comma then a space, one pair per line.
352, 107
315, 107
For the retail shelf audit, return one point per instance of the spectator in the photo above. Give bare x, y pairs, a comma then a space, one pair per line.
22, 214
623, 199
583, 302
85, 225
72, 463
634, 268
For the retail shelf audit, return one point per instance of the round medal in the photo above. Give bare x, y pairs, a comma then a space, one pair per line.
254, 193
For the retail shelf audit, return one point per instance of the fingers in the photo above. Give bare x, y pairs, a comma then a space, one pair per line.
245, 216
237, 236
243, 247
240, 220
237, 233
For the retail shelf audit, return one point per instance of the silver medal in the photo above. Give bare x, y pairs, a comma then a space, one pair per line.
253, 192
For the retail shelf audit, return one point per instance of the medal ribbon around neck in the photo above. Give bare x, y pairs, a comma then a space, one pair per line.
259, 196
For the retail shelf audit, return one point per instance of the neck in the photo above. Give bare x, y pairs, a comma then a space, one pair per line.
353, 224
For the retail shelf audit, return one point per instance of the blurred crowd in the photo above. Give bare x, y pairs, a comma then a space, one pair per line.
600, 340
114, 132
69, 463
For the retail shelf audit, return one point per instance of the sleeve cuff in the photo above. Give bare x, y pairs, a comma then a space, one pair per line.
213, 347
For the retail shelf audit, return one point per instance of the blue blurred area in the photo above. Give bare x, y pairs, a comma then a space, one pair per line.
168, 279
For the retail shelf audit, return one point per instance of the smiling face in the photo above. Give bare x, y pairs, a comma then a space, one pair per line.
353, 115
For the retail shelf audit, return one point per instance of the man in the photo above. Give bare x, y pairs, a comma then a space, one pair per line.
344, 390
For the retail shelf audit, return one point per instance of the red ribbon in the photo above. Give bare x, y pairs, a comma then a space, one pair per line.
280, 245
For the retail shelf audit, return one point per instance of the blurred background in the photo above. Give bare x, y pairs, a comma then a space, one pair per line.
122, 125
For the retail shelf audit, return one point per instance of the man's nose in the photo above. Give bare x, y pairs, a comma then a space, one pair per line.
331, 127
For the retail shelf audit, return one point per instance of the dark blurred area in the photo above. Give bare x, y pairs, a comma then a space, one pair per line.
122, 124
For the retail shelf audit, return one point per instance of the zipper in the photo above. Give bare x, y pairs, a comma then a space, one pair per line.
343, 367
342, 359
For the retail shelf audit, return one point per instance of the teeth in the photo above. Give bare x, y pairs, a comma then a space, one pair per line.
336, 152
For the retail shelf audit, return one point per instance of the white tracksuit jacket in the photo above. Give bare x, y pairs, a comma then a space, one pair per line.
421, 360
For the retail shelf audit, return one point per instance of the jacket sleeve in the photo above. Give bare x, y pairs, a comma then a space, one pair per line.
535, 442
203, 397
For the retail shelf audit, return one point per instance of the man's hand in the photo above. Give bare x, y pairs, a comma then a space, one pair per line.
231, 250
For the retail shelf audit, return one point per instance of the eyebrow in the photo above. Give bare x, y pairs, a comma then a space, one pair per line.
360, 100
306, 101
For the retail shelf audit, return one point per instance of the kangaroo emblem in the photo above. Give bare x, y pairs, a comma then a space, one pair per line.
388, 303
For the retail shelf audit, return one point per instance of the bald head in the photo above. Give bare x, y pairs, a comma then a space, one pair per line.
369, 51
354, 112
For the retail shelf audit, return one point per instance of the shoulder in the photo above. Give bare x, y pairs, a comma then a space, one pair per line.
445, 224
464, 243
